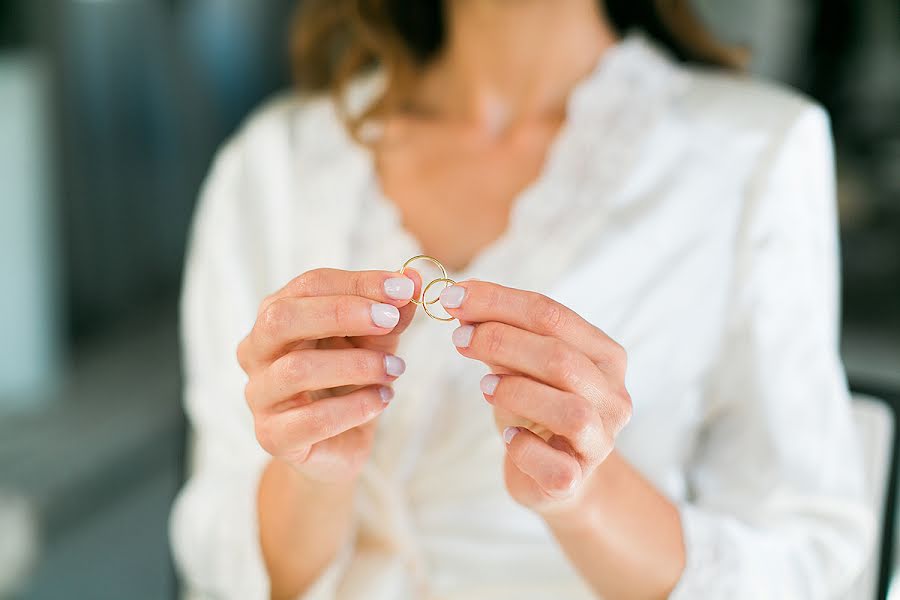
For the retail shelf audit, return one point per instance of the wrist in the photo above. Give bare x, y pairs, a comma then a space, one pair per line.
574, 514
302, 525
304, 485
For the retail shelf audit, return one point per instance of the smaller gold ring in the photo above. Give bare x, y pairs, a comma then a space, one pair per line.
431, 259
425, 304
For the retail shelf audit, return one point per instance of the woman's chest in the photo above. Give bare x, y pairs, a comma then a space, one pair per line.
455, 199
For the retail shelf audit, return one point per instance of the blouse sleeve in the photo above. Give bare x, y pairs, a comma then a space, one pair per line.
214, 524
776, 508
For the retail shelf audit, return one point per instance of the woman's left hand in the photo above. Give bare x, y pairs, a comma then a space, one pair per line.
557, 386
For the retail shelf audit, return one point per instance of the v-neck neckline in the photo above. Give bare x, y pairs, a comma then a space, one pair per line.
552, 170
609, 116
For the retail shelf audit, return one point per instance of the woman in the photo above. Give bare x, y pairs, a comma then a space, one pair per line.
607, 199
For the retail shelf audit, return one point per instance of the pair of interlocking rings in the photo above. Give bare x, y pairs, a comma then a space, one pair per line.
423, 299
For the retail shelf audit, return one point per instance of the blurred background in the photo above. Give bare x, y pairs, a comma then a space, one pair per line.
110, 111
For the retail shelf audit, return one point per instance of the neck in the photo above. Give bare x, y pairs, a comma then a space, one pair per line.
511, 60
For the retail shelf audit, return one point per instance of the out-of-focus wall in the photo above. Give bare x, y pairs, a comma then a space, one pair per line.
146, 90
776, 31
29, 307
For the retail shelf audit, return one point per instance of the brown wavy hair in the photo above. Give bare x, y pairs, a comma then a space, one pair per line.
333, 41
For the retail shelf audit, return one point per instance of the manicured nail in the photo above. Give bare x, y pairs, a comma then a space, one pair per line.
509, 433
489, 383
452, 296
399, 288
394, 365
462, 335
385, 315
386, 393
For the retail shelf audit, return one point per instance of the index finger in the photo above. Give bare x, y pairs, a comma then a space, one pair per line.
389, 287
480, 301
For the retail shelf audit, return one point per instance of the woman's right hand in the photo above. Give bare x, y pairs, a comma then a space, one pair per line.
320, 363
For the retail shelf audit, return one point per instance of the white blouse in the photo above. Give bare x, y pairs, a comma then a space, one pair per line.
689, 214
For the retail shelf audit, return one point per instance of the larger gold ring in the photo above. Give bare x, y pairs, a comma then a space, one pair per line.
425, 304
443, 277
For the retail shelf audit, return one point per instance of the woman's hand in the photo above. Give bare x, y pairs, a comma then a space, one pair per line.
320, 365
557, 386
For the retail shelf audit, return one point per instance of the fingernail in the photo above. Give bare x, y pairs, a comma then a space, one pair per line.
509, 433
394, 365
399, 288
386, 393
462, 335
452, 296
385, 315
489, 384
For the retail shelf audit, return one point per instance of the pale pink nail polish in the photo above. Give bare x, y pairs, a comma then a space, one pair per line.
394, 365
385, 315
509, 433
386, 393
399, 288
489, 383
462, 336
453, 296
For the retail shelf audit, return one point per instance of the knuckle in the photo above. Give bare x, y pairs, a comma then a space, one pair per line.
250, 394
559, 354
618, 354
266, 301
563, 363
265, 435
292, 367
274, 317
613, 356
548, 314
563, 477
626, 408
364, 407
358, 284
494, 339
492, 299
241, 354
307, 283
343, 308
581, 419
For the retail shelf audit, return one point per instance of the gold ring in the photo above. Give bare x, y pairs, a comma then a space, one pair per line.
425, 292
435, 261
423, 298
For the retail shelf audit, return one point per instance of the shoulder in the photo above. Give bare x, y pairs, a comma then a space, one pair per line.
305, 126
784, 135
285, 141
751, 140
250, 195
780, 144
740, 112
262, 200
742, 97
285, 128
